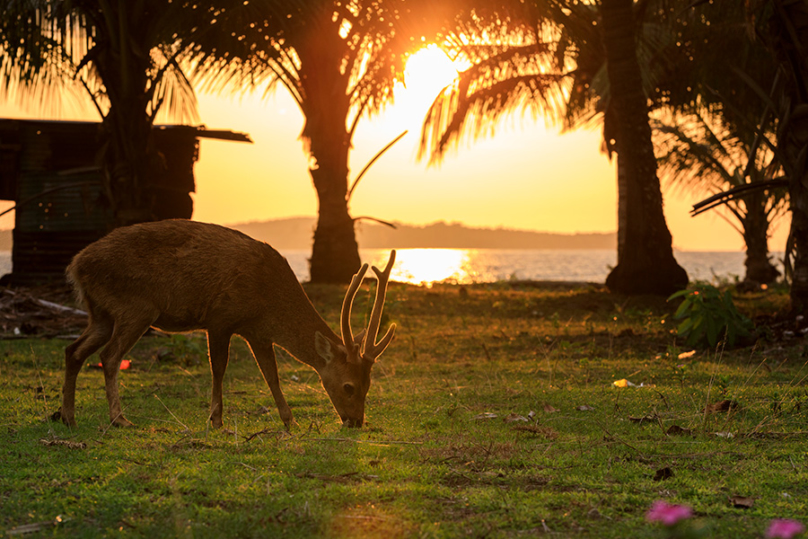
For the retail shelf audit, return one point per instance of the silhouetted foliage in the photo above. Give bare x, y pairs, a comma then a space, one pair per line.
552, 57
699, 153
124, 57
339, 62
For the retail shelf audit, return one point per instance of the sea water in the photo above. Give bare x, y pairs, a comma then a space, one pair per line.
467, 266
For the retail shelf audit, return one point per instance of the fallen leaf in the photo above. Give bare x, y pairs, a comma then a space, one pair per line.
676, 430
549, 409
511, 418
725, 435
743, 502
584, 408
66, 443
663, 473
487, 415
35, 527
721, 406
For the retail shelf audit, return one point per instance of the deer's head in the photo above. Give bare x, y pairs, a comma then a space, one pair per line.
346, 375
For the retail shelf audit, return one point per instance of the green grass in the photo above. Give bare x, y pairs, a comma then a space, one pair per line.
430, 462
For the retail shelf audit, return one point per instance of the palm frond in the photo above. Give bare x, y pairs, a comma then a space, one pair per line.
461, 111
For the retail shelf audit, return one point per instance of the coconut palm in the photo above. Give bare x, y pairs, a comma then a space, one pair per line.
781, 26
123, 56
554, 59
646, 263
699, 154
339, 62
787, 38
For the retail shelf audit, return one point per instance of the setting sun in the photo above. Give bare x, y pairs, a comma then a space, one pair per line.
428, 71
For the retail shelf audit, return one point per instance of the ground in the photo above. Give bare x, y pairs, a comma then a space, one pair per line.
502, 410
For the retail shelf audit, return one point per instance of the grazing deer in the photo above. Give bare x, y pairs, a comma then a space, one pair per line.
181, 275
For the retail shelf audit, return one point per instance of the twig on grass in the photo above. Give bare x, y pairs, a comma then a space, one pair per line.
112, 423
177, 419
617, 439
712, 378
381, 442
267, 430
664, 399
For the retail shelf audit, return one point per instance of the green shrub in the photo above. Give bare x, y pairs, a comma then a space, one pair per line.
706, 315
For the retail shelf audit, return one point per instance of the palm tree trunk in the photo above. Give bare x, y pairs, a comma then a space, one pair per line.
129, 157
335, 253
645, 263
127, 163
327, 105
798, 191
622, 206
759, 268
790, 36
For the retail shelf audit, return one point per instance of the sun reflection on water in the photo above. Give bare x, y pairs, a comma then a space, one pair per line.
419, 266
427, 266
468, 266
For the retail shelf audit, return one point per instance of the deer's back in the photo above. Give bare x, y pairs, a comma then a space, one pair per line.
192, 274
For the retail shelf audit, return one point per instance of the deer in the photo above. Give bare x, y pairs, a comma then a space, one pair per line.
179, 276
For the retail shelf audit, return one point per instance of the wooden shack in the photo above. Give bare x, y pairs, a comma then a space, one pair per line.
49, 169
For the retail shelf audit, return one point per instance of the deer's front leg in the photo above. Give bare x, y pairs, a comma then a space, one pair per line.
264, 353
219, 352
124, 337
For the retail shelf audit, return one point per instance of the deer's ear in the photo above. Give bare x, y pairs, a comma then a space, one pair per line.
323, 347
328, 349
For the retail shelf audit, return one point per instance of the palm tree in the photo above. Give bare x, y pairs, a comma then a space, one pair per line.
788, 39
340, 62
577, 88
700, 154
781, 27
123, 56
646, 263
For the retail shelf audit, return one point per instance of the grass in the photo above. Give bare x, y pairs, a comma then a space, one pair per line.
493, 414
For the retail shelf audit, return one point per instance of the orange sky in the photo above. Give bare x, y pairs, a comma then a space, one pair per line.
527, 177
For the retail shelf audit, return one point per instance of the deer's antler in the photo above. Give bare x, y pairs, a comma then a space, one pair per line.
371, 349
345, 318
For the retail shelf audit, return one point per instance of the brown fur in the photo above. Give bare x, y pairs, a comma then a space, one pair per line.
181, 275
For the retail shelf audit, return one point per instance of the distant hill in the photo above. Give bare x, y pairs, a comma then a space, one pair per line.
297, 232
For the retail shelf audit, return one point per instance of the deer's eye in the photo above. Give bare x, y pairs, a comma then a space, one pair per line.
349, 389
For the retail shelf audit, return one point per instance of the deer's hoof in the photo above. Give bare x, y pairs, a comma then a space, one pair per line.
122, 422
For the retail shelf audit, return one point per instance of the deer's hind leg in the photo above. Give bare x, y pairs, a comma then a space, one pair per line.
219, 352
126, 332
96, 335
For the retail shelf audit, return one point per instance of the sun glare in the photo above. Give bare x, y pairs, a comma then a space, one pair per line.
426, 74
428, 71
419, 266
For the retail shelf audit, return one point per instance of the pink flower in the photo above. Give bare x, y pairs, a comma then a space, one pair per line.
667, 514
784, 528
